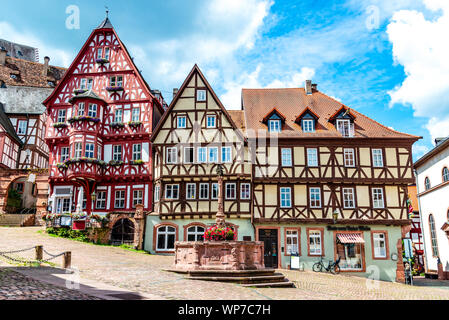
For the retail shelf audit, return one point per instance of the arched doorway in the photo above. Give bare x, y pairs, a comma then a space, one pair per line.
122, 232
21, 196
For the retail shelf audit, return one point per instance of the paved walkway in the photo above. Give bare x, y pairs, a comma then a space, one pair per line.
137, 272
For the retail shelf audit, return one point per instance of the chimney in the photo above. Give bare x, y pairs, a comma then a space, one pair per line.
3, 52
175, 92
45, 71
438, 141
314, 87
308, 87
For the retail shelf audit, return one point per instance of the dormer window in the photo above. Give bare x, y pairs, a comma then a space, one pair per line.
344, 127
274, 125
307, 120
343, 120
308, 125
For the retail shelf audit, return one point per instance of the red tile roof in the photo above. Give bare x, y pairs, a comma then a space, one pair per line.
28, 73
238, 116
291, 102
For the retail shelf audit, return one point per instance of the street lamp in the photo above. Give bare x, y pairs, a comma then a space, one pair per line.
93, 196
335, 215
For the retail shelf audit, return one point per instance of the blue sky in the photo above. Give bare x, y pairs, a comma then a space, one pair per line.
383, 58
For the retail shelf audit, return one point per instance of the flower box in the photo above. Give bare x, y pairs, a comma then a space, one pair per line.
114, 89
102, 61
62, 166
84, 118
137, 162
59, 125
85, 160
117, 125
116, 163
79, 91
79, 225
135, 124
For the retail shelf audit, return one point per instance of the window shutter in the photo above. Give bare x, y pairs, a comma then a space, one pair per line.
145, 152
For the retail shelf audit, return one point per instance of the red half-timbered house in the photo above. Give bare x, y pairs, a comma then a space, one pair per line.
100, 118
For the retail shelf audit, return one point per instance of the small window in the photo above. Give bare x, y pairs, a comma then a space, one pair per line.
231, 191
214, 191
211, 121
292, 245
92, 110
204, 191
135, 115
226, 154
315, 197
349, 157
348, 198
61, 116
172, 155
182, 122
378, 198
22, 126
433, 236
201, 95
64, 154
83, 85
379, 245
106, 53
274, 125
100, 53
344, 127
315, 241
90, 150
308, 125
189, 154
245, 191
202, 155
117, 153
78, 150
195, 233
312, 157
378, 161
119, 199
286, 197
427, 183
286, 157
137, 197
445, 174
172, 192
81, 109
191, 191
166, 238
118, 116
137, 152
101, 200
157, 193
90, 84
213, 155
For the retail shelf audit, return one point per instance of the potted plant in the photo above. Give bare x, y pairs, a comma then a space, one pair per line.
216, 233
114, 89
102, 61
59, 125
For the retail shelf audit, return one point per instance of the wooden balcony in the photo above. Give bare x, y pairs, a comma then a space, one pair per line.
84, 169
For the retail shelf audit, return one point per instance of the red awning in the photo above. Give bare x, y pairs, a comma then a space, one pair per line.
350, 238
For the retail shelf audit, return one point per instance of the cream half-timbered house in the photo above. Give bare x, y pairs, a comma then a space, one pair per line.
194, 136
328, 182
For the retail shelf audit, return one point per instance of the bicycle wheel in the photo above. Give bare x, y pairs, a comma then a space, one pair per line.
317, 267
335, 270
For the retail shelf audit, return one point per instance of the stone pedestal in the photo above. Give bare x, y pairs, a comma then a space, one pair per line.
222, 255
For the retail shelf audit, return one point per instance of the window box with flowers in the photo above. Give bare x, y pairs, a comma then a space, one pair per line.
115, 163
114, 89
216, 233
135, 124
117, 125
102, 61
84, 118
137, 162
59, 125
62, 166
79, 91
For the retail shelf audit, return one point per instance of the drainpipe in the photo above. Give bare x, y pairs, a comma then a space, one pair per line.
421, 219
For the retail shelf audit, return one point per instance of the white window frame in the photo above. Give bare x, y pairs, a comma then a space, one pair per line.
81, 109
139, 199
192, 150
214, 190
291, 248
225, 151
378, 159
78, 150
89, 150
378, 238
286, 157
231, 187
121, 199
83, 84
378, 203
118, 115
93, 109
344, 127
137, 152
308, 125
62, 113
286, 197
245, 191
190, 191
181, 122
170, 190
172, 155
169, 231
202, 155
117, 152
201, 95
100, 53
315, 249
65, 154
349, 157
209, 155
196, 232
135, 115
90, 83
106, 53
209, 123
348, 198
314, 192
312, 157
22, 126
100, 202
204, 191
157, 193
274, 125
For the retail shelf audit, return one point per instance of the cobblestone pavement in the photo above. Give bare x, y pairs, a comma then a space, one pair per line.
15, 286
144, 273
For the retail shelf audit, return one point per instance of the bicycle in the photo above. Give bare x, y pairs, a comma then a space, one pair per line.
333, 267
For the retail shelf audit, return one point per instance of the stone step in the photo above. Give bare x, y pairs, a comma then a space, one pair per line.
13, 220
283, 284
243, 280
226, 273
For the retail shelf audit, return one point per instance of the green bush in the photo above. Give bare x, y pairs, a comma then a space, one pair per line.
69, 234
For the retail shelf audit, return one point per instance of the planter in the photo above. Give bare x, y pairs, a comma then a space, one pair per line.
79, 91
114, 89
135, 124
116, 163
79, 225
60, 125
102, 61
117, 125
84, 118
137, 163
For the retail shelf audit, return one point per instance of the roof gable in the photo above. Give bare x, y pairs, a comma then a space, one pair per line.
307, 112
273, 114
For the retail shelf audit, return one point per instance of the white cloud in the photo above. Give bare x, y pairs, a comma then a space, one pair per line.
419, 150
58, 57
420, 46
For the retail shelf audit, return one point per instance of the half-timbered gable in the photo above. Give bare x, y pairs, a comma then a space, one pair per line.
100, 118
194, 136
10, 142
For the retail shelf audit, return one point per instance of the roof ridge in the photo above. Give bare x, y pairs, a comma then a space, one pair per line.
35, 62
